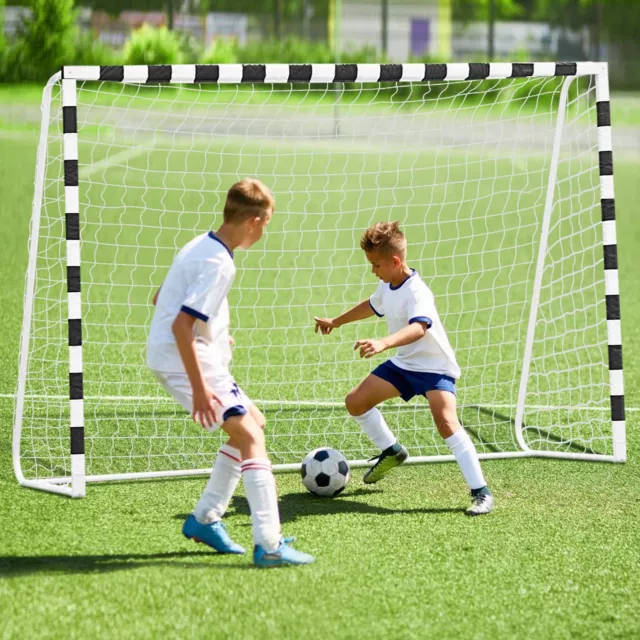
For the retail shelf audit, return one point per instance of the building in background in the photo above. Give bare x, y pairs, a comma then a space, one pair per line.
515, 40
415, 28
233, 26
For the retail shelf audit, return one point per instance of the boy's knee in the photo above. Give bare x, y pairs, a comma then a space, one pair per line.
354, 404
446, 423
246, 431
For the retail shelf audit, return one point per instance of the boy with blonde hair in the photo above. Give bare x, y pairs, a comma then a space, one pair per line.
424, 364
189, 352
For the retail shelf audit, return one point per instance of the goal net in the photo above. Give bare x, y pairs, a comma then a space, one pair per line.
500, 176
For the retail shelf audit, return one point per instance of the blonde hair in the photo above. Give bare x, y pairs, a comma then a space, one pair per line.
385, 238
247, 199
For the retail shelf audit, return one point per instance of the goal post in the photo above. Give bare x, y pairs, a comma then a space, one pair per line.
501, 175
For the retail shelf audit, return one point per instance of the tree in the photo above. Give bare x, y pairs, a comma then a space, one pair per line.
2, 41
46, 40
477, 10
614, 20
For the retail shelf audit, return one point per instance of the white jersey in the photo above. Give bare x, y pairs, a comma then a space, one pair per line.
197, 283
412, 301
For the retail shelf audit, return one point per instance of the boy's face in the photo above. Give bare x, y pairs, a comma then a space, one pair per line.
255, 229
384, 266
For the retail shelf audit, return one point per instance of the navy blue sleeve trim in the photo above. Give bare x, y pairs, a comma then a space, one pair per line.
196, 314
424, 319
380, 315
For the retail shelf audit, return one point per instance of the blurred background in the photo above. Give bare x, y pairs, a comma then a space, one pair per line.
38, 36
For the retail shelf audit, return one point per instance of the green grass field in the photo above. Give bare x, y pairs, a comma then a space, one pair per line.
558, 557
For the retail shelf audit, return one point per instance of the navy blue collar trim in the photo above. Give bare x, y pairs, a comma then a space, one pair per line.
213, 236
413, 273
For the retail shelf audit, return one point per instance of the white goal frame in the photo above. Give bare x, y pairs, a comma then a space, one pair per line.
75, 484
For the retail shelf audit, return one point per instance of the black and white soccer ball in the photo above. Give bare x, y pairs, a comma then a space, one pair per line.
325, 472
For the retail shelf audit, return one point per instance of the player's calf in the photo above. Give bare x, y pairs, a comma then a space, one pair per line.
260, 487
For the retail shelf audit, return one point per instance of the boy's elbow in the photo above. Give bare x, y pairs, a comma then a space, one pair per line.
176, 325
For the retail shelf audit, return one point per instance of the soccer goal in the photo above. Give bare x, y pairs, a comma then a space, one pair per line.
500, 174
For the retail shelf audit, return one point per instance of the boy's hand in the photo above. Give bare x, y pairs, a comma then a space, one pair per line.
204, 407
369, 348
326, 325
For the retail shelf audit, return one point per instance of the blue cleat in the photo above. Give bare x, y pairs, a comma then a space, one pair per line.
282, 556
213, 535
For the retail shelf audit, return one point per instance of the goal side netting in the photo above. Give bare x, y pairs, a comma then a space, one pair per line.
500, 175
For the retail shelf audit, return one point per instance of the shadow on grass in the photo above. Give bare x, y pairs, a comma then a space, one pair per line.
15, 566
300, 505
530, 432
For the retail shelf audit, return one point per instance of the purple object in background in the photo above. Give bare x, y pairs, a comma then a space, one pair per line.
419, 36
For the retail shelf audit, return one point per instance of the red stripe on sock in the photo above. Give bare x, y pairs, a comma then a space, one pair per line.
223, 452
255, 466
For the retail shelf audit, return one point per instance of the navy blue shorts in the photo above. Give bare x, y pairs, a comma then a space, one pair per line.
414, 383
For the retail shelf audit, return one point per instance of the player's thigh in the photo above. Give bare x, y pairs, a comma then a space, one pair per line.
444, 411
177, 385
257, 415
370, 392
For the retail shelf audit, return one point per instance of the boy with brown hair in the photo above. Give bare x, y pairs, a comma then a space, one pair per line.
188, 351
424, 364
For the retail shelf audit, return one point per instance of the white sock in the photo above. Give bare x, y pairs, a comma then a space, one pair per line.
375, 426
260, 486
466, 456
222, 483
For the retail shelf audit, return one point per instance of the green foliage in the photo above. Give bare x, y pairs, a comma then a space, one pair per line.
45, 42
89, 51
472, 10
366, 54
149, 45
191, 48
291, 50
294, 50
3, 42
616, 18
287, 51
221, 51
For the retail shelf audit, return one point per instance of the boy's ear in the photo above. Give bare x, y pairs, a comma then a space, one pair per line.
396, 261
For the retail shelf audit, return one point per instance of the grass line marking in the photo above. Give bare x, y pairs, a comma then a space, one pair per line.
105, 163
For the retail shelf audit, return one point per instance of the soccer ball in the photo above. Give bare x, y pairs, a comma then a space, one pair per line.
325, 472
